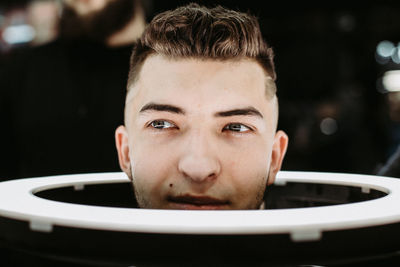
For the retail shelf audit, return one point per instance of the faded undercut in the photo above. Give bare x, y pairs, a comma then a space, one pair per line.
198, 32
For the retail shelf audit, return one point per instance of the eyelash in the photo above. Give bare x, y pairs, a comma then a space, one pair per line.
237, 124
173, 126
151, 124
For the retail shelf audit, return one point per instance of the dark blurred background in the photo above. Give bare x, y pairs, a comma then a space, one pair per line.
337, 63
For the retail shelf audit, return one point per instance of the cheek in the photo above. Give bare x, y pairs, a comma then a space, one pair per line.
151, 167
249, 168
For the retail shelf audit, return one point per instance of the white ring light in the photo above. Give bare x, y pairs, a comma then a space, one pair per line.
17, 201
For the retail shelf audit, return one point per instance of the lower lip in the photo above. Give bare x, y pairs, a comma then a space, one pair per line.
186, 206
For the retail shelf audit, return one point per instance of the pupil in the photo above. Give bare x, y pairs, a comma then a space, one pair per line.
158, 124
235, 127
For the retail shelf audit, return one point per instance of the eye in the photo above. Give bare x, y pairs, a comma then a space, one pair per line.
160, 124
237, 127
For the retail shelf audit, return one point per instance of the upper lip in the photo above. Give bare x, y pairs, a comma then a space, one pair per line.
197, 200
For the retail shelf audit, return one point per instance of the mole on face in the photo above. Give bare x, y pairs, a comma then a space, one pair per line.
171, 185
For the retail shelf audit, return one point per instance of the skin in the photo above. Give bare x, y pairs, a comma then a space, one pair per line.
200, 134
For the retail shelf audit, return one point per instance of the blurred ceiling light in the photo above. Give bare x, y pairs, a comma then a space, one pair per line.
328, 126
396, 55
346, 22
391, 81
17, 34
385, 49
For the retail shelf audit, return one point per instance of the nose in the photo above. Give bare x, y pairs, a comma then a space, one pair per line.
199, 162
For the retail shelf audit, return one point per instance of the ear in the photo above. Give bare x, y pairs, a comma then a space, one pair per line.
278, 153
121, 141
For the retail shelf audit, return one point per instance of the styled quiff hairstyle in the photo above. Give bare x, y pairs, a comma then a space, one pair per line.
194, 31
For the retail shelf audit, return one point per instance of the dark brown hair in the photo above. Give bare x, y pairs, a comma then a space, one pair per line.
194, 31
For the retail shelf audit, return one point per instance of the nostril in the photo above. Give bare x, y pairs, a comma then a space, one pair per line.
199, 177
211, 175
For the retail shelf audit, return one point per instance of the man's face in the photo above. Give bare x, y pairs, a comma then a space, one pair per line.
200, 135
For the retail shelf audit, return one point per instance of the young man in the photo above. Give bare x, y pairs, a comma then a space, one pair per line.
201, 112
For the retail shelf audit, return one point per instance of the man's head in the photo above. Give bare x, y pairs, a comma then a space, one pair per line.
201, 112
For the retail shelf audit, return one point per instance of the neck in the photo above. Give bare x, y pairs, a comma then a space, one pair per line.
129, 33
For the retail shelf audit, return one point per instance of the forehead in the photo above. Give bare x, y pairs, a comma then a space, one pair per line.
199, 80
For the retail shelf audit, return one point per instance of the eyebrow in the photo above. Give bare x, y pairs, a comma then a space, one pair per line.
248, 111
161, 107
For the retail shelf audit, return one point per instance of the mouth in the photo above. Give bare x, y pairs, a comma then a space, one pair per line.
190, 202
